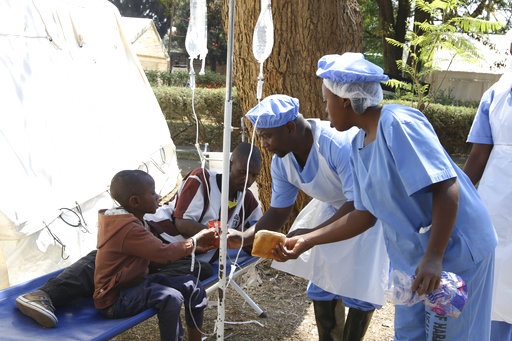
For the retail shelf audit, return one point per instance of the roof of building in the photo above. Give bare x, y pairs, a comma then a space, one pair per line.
495, 57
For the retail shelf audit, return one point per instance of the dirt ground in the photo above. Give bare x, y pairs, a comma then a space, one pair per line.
282, 297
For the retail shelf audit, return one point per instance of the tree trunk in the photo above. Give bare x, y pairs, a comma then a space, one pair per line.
420, 16
394, 28
304, 31
171, 21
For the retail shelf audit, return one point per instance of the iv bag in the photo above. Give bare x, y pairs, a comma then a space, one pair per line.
263, 36
195, 41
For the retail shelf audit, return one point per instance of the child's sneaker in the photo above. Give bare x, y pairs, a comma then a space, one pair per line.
38, 306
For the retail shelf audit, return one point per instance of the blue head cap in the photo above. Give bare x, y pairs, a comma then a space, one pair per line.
351, 76
349, 67
274, 111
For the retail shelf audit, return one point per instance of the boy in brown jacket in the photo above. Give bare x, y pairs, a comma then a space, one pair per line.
125, 248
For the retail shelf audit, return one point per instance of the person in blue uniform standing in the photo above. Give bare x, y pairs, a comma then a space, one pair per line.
490, 165
433, 219
315, 158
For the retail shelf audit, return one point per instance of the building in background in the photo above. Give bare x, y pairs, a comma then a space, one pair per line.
465, 81
146, 42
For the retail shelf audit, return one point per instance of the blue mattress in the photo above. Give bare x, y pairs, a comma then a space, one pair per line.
77, 321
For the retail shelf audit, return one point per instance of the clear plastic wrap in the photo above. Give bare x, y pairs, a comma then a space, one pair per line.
449, 299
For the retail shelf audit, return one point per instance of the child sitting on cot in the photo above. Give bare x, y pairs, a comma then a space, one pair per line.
125, 248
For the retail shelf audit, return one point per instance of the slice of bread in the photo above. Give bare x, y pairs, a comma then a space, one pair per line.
265, 241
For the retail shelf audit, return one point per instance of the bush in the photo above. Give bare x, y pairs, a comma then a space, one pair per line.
179, 78
176, 104
153, 77
210, 79
451, 124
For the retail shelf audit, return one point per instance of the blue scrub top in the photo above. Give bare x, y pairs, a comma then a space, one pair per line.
392, 176
481, 129
334, 146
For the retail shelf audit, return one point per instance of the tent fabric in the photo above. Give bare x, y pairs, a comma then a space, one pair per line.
76, 109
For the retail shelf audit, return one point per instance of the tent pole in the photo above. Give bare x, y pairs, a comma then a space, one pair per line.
226, 147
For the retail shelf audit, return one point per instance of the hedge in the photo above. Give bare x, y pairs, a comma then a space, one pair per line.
176, 104
210, 79
451, 123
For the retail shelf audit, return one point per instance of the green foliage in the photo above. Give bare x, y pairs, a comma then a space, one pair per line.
153, 77
217, 47
217, 44
145, 9
179, 78
176, 104
372, 33
375, 58
451, 123
428, 37
210, 79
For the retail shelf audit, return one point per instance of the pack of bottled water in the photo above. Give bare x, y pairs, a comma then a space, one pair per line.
448, 299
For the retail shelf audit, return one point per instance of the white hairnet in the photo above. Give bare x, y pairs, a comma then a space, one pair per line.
362, 95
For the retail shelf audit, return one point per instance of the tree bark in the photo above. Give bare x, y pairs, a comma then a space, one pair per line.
170, 8
304, 31
394, 28
419, 16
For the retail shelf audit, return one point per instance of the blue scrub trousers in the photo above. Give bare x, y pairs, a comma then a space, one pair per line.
501, 331
317, 294
473, 324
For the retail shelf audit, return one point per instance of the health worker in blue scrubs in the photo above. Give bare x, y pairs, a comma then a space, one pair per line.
433, 218
490, 166
311, 156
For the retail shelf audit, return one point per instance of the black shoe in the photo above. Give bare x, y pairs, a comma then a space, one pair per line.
38, 306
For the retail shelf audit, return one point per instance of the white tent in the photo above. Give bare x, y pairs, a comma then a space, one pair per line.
76, 108
146, 42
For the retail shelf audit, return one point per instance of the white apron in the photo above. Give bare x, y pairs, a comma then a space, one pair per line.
495, 188
356, 268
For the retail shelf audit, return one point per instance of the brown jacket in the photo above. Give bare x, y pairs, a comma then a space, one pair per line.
125, 249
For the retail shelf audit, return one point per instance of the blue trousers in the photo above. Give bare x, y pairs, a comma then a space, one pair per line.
501, 331
166, 295
318, 294
473, 324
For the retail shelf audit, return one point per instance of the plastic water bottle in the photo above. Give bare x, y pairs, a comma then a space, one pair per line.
448, 299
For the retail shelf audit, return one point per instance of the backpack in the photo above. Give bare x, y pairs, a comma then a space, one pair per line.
161, 223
